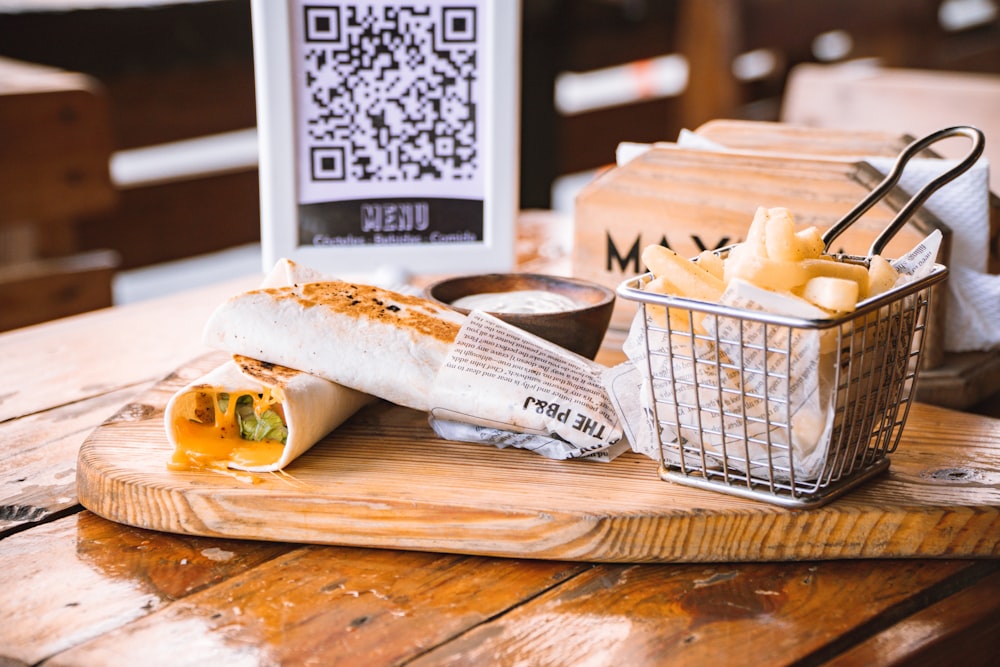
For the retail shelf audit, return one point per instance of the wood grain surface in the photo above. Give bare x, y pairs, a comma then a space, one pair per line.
94, 592
384, 480
53, 364
766, 613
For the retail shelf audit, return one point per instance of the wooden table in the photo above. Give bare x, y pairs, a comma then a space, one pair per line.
80, 590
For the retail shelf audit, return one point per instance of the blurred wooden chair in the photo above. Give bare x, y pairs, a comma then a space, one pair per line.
717, 36
55, 148
867, 96
171, 72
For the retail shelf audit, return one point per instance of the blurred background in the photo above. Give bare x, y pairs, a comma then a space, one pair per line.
128, 141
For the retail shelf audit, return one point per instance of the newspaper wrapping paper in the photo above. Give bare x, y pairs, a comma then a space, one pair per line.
731, 392
973, 294
504, 386
547, 446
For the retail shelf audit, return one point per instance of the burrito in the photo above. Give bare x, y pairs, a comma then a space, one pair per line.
254, 416
365, 337
414, 352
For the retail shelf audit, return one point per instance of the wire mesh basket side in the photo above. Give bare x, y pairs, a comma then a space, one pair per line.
727, 399
878, 366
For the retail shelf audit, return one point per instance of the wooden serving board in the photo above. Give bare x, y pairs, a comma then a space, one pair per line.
384, 480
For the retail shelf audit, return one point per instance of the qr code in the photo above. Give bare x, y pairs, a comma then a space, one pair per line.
392, 91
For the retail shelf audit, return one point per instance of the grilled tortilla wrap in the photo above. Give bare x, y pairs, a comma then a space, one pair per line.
368, 338
285, 413
286, 272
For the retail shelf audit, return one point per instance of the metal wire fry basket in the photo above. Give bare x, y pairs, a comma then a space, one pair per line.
727, 403
788, 410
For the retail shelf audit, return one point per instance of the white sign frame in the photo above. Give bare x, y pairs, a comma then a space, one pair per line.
278, 149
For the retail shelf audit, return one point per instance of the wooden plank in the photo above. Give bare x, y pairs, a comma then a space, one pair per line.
357, 487
962, 380
38, 475
42, 290
913, 101
328, 606
970, 619
56, 144
79, 577
725, 614
172, 70
792, 139
709, 37
82, 356
192, 217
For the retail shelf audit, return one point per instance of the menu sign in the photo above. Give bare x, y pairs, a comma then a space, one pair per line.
388, 133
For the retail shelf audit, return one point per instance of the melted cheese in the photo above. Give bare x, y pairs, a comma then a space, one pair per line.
218, 444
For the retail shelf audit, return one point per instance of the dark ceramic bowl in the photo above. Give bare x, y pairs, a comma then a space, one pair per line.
580, 329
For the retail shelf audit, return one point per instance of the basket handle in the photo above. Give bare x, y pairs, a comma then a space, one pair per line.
978, 142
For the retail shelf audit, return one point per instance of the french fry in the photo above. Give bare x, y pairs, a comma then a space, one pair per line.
832, 269
777, 257
654, 311
756, 239
779, 236
881, 276
712, 263
839, 295
810, 242
775, 275
678, 316
690, 280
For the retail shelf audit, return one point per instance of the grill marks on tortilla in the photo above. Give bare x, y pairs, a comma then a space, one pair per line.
264, 371
368, 302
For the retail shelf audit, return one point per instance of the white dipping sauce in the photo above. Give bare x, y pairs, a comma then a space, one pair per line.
517, 301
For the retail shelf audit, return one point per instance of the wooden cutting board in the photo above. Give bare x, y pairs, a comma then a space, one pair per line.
384, 480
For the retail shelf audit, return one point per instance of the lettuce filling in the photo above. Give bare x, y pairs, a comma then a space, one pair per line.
266, 426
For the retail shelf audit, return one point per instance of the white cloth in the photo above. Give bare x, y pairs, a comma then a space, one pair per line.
973, 310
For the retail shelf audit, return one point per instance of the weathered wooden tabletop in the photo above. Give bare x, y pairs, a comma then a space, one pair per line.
78, 589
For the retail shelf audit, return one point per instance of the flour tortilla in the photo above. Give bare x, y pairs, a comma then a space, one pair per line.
287, 272
370, 339
313, 407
